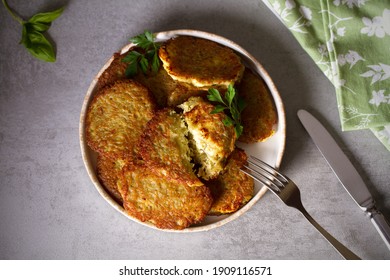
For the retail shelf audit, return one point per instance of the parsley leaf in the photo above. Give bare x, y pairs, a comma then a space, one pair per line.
146, 59
232, 103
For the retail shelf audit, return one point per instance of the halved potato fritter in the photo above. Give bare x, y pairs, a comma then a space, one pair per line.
232, 188
116, 118
152, 195
164, 144
109, 171
211, 141
259, 116
200, 62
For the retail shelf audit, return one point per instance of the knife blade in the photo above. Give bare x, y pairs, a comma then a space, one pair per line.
347, 174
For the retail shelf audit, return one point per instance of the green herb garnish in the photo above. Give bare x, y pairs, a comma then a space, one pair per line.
33, 37
145, 60
232, 103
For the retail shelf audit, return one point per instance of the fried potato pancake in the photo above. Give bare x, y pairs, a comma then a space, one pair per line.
166, 90
108, 172
232, 188
182, 92
114, 72
172, 169
200, 62
164, 144
155, 197
211, 141
160, 84
116, 118
259, 116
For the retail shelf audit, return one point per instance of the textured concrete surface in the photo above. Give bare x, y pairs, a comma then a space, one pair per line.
49, 209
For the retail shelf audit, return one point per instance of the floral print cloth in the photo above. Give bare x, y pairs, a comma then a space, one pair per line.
350, 41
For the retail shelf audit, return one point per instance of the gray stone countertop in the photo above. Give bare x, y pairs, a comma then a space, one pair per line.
49, 209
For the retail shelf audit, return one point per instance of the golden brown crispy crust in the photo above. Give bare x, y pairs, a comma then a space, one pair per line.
160, 84
232, 189
200, 62
144, 157
116, 118
211, 126
114, 72
155, 197
259, 116
166, 91
109, 171
182, 92
164, 144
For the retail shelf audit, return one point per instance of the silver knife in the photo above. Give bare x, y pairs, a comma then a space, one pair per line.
345, 172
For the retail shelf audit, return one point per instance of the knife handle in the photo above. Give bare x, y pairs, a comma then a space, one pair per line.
381, 225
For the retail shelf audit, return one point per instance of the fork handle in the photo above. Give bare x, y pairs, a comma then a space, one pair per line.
344, 251
382, 226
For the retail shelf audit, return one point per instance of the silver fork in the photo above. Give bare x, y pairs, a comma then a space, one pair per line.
289, 193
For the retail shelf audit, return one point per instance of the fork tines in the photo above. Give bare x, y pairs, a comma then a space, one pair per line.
264, 173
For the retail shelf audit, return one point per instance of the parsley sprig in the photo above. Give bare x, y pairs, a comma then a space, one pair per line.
145, 60
232, 103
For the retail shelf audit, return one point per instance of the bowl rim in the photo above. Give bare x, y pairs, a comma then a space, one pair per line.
254, 65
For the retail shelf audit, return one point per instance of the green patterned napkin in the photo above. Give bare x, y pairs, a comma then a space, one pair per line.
350, 41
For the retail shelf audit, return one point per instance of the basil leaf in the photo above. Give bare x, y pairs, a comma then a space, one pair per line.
38, 45
32, 38
38, 26
46, 17
25, 41
35, 36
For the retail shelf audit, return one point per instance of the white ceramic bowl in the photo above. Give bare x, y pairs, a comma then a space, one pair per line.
270, 151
